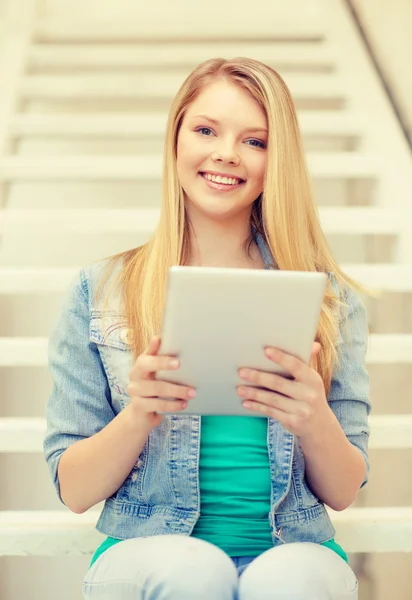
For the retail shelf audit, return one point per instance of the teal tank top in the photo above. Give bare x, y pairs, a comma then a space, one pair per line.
234, 479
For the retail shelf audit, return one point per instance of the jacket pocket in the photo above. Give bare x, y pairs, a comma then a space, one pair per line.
112, 338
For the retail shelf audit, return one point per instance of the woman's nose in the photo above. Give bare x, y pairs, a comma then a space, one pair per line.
226, 154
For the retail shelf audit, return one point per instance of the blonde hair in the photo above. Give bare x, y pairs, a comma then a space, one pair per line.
285, 213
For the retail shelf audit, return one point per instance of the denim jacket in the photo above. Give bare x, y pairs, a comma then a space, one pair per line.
90, 366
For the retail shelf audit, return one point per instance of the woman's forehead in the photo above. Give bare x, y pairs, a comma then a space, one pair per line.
220, 100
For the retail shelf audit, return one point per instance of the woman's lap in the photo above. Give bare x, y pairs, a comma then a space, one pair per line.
299, 571
176, 567
161, 568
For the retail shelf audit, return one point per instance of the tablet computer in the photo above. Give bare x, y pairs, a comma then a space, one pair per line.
216, 320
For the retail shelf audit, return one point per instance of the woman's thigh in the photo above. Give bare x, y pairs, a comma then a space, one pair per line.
164, 567
299, 571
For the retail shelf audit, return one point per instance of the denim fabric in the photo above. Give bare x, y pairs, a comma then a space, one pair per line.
90, 366
180, 568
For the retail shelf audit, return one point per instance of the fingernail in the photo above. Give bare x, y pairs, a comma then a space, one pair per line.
191, 393
174, 363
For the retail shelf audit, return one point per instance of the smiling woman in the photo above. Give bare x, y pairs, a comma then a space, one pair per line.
216, 144
218, 507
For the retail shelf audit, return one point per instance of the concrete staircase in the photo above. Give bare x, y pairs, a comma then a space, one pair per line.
82, 115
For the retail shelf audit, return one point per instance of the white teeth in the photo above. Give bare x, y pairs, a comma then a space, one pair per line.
219, 179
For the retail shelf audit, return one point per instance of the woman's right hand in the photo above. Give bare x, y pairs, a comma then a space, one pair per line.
144, 390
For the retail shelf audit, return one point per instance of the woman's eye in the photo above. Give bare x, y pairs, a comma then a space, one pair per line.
203, 129
259, 144
207, 132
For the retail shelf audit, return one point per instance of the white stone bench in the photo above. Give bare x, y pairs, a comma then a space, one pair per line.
39, 280
141, 167
148, 85
61, 532
383, 348
273, 27
344, 221
328, 123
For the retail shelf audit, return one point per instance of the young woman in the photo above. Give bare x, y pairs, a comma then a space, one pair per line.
219, 507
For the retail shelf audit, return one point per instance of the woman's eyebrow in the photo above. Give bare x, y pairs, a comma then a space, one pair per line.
217, 123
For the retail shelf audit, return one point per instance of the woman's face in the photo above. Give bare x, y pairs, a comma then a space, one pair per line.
223, 133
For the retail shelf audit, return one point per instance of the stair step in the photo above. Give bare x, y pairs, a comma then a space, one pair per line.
332, 165
63, 533
390, 431
164, 85
334, 220
43, 280
38, 280
154, 124
382, 529
27, 434
387, 277
242, 28
148, 55
32, 351
389, 348
22, 434
361, 220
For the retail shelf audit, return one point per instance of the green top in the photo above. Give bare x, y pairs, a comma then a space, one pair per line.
234, 475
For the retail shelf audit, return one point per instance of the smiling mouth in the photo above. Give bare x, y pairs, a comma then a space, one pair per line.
238, 180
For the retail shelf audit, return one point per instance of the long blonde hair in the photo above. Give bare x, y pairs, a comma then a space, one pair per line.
285, 213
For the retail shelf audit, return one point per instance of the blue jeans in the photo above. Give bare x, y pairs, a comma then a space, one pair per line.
177, 567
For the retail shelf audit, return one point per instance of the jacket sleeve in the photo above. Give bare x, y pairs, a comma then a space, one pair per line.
350, 387
80, 402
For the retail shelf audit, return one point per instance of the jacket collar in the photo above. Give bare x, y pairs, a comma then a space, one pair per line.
269, 261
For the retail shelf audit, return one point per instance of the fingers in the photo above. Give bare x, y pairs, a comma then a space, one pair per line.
148, 393
159, 406
153, 346
149, 362
153, 388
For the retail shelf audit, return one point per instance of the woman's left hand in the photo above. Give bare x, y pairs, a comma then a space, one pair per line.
300, 405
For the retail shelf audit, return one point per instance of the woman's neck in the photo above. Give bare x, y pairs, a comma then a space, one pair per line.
220, 245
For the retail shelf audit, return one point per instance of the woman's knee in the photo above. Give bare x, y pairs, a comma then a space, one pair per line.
167, 567
201, 570
302, 571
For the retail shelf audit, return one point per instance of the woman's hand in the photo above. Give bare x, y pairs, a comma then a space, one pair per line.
300, 405
144, 389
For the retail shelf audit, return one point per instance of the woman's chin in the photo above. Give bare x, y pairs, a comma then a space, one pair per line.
218, 211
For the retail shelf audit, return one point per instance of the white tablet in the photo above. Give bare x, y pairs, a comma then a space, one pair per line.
217, 320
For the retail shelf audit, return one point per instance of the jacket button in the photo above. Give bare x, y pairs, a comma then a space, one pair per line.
134, 476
